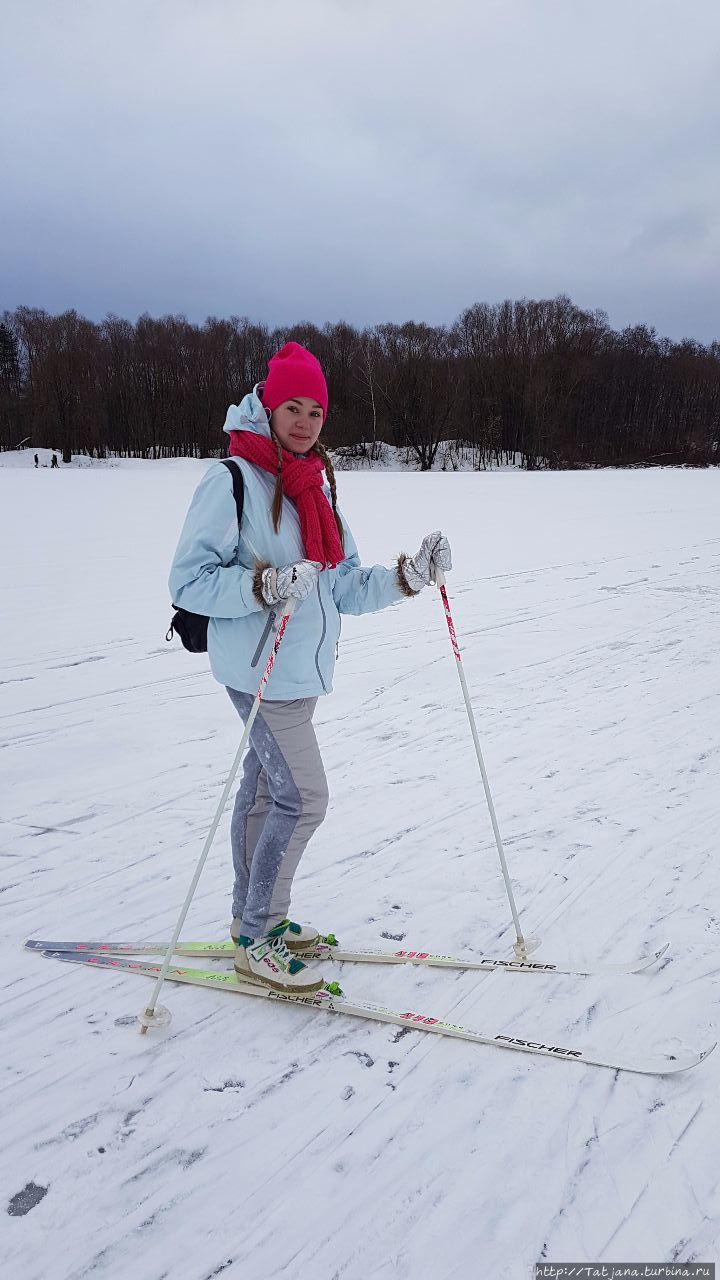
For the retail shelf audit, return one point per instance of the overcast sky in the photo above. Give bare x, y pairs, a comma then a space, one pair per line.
366, 160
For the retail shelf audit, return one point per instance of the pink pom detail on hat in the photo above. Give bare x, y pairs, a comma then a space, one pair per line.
292, 373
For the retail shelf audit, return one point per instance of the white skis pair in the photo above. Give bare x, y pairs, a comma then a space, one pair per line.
522, 948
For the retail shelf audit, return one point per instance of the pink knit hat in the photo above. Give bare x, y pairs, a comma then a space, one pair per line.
294, 372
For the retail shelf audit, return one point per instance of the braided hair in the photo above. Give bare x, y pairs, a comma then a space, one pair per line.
321, 452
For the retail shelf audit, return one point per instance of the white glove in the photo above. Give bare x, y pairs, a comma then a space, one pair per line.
296, 580
435, 548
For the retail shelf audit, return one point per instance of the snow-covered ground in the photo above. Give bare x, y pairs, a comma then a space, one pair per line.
256, 1139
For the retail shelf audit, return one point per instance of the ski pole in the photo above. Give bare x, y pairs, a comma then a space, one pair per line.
521, 946
157, 1015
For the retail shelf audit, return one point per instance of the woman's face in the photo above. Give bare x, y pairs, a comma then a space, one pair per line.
297, 423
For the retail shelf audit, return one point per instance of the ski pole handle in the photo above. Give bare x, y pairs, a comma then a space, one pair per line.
438, 577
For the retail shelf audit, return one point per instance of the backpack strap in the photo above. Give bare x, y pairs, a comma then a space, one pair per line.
238, 487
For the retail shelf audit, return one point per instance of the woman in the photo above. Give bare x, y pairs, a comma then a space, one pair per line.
295, 544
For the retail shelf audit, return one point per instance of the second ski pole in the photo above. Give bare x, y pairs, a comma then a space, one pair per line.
521, 946
155, 1015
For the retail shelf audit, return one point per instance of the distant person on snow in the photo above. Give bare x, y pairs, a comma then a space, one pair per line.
54, 461
37, 461
293, 543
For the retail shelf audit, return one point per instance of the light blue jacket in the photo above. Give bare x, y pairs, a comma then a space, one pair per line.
212, 573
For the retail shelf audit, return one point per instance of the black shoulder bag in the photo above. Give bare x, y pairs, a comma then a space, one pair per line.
192, 628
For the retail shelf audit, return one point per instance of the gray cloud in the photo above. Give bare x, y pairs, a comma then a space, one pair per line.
369, 160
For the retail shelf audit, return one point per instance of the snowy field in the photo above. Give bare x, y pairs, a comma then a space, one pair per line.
259, 1140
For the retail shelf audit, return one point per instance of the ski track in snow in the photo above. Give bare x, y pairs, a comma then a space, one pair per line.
256, 1137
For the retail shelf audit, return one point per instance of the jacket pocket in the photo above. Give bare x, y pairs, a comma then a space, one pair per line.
263, 638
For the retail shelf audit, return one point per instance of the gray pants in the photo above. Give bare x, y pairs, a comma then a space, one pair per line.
282, 800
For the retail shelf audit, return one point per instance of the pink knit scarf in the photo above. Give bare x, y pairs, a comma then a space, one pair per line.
302, 482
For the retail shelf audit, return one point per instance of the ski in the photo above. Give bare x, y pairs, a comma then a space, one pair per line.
328, 949
332, 1001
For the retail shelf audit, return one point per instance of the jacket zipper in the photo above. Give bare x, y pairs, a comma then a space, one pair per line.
322, 637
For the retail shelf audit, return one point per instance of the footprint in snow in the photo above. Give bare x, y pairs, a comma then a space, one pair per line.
25, 1200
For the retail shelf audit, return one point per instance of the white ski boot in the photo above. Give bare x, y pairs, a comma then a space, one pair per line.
299, 938
267, 962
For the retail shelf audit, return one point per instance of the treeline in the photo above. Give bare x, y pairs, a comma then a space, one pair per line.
543, 380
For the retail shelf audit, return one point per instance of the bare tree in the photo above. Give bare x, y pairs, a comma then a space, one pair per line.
542, 381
